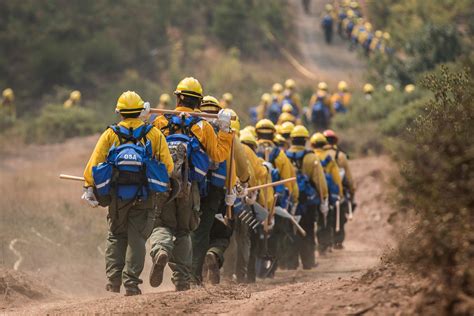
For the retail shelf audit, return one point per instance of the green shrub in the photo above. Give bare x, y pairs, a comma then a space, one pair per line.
55, 124
436, 157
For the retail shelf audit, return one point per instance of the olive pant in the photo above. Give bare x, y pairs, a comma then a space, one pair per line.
341, 234
130, 224
325, 231
201, 236
306, 245
242, 235
175, 222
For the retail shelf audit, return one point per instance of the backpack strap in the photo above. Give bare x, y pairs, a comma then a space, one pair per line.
326, 161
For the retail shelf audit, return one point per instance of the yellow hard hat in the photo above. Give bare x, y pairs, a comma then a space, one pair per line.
286, 117
75, 96
328, 7
290, 84
345, 3
129, 102
251, 130
165, 98
287, 127
323, 86
318, 138
350, 13
210, 104
378, 33
299, 131
354, 5
189, 87
342, 86
389, 88
8, 94
266, 98
234, 124
265, 126
277, 88
409, 88
386, 36
368, 88
247, 137
227, 97
278, 139
287, 108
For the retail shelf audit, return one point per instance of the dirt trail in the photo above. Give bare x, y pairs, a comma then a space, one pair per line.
320, 290
330, 62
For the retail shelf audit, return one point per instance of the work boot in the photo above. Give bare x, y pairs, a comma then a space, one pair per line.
112, 288
212, 264
131, 291
338, 246
159, 262
182, 287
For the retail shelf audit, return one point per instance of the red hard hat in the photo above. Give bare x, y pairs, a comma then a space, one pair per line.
330, 133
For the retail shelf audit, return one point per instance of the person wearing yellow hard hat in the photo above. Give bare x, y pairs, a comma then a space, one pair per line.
286, 117
385, 41
409, 88
7, 104
251, 130
292, 97
286, 129
165, 101
319, 111
375, 43
179, 217
261, 108
226, 100
368, 91
74, 99
260, 175
341, 158
341, 99
131, 206
210, 239
313, 191
327, 22
334, 182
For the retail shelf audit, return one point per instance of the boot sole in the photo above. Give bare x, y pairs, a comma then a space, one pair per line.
156, 274
213, 268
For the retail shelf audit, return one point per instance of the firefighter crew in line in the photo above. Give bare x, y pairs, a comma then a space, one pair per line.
171, 239
130, 220
312, 188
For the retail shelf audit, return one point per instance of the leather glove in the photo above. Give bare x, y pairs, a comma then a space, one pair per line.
223, 120
230, 198
89, 197
241, 190
146, 111
251, 198
325, 207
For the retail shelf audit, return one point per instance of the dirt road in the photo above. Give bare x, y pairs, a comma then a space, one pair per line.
329, 288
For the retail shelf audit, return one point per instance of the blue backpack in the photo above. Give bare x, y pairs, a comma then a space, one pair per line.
327, 22
339, 107
307, 191
288, 100
130, 170
253, 115
320, 113
274, 111
332, 186
191, 162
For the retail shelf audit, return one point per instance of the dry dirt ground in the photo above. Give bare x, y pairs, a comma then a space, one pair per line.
349, 281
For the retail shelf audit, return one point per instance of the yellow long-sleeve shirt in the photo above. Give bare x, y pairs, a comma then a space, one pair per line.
109, 138
331, 168
285, 168
343, 163
259, 175
241, 164
217, 146
313, 169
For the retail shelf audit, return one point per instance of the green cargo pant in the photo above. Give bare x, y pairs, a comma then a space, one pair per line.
242, 233
200, 237
176, 220
130, 224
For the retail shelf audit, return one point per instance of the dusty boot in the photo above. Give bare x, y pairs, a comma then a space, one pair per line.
159, 262
182, 287
131, 291
212, 264
112, 288
338, 246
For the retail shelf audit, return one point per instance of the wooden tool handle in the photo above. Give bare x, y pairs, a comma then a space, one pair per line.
69, 177
200, 114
